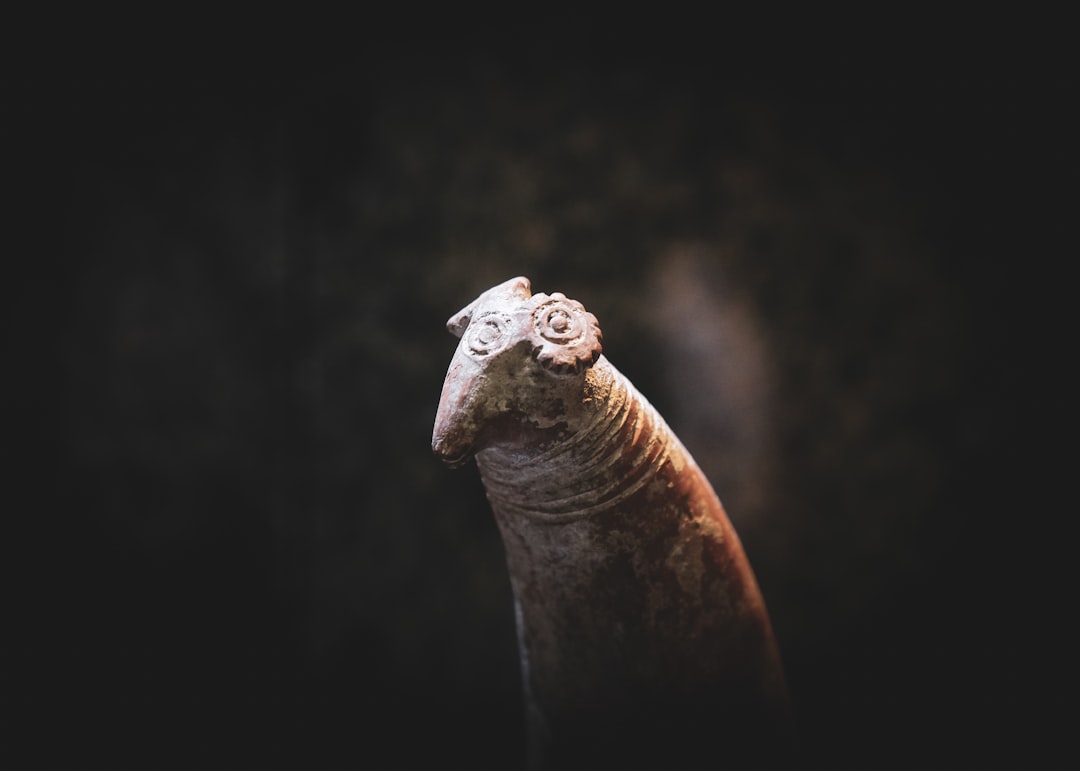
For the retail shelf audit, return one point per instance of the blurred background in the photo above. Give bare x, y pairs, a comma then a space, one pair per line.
226, 542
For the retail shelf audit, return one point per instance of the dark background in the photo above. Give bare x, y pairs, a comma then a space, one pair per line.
225, 540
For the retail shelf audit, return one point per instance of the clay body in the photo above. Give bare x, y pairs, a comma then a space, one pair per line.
643, 636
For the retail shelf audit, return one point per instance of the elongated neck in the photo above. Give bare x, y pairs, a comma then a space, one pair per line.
616, 444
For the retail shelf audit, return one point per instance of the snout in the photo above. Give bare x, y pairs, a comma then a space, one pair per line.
454, 435
452, 448
450, 455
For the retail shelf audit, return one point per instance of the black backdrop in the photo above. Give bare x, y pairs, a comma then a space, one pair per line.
226, 542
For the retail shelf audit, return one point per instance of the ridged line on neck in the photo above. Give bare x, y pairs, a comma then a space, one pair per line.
609, 459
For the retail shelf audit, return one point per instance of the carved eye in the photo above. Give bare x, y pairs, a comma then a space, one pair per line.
487, 334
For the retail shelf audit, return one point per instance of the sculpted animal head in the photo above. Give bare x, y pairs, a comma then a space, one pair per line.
521, 359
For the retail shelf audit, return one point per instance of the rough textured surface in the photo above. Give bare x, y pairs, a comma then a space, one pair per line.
643, 636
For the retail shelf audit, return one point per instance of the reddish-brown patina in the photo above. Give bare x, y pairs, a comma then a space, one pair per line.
644, 639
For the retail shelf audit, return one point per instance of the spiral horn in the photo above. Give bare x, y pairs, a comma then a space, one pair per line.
566, 338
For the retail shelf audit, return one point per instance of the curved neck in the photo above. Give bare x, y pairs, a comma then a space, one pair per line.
616, 444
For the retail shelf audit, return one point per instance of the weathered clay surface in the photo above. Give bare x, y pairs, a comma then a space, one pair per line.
644, 639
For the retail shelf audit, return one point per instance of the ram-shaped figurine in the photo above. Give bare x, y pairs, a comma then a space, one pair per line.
643, 637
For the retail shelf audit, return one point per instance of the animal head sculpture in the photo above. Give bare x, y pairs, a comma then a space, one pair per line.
521, 360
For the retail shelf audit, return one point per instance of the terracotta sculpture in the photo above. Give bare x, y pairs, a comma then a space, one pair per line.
644, 640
